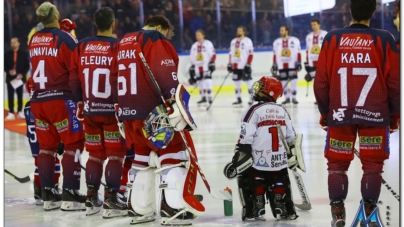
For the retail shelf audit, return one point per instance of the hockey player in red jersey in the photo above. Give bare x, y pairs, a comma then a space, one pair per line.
357, 89
139, 106
54, 110
90, 70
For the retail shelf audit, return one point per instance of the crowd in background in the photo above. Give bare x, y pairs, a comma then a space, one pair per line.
197, 14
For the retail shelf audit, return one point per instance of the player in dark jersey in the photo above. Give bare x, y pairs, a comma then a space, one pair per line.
54, 110
136, 98
357, 88
90, 71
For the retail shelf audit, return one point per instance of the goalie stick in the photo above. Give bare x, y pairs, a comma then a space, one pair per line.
396, 195
306, 205
221, 194
218, 92
21, 180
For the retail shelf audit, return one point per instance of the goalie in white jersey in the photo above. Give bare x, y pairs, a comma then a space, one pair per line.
314, 41
240, 58
287, 61
203, 58
260, 147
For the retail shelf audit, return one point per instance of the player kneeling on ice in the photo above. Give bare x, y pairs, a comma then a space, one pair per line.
260, 161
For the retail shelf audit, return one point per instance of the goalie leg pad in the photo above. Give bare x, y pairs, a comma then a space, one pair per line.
245, 189
142, 197
297, 151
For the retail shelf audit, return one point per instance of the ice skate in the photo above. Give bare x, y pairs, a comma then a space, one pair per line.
370, 205
280, 208
52, 199
37, 195
259, 208
202, 101
113, 206
286, 101
247, 211
237, 103
294, 101
93, 203
140, 219
73, 200
210, 101
174, 217
338, 213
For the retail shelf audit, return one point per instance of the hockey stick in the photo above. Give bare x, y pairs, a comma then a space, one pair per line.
222, 194
86, 170
396, 195
21, 180
218, 91
306, 205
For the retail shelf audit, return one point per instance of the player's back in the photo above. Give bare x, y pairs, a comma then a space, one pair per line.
361, 67
137, 95
96, 59
50, 52
259, 128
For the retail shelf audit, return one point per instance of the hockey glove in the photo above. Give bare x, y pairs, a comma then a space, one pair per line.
394, 122
79, 112
323, 121
247, 69
120, 124
274, 69
229, 68
308, 77
61, 148
242, 161
306, 67
212, 67
192, 80
298, 66
67, 25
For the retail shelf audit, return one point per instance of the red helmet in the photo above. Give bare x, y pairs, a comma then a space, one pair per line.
267, 88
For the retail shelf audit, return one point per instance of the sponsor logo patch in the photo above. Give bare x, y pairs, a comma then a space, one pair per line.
343, 145
93, 138
371, 140
41, 125
62, 125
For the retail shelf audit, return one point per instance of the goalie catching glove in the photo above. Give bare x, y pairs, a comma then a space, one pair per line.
242, 161
121, 126
180, 118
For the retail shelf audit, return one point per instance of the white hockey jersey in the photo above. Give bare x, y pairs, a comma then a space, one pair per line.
313, 47
201, 55
286, 52
240, 50
259, 128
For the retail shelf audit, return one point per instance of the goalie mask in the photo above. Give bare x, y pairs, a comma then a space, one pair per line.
267, 89
157, 128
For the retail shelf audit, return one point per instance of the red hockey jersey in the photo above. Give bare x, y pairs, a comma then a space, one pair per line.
50, 51
90, 71
358, 77
135, 93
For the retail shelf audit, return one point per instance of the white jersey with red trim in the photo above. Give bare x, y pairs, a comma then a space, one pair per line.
240, 50
313, 47
201, 55
286, 52
259, 128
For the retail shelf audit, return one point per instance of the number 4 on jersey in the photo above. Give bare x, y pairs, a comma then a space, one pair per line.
39, 75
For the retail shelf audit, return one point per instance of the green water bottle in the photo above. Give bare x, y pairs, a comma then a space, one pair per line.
228, 204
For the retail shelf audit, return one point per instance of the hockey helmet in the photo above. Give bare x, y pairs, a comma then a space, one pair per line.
157, 128
267, 88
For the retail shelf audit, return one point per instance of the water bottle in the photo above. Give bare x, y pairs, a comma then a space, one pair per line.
228, 204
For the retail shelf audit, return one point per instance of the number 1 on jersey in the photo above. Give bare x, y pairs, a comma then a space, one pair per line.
275, 138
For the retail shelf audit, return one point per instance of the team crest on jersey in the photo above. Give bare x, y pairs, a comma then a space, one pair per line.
237, 53
199, 57
315, 49
243, 129
261, 160
285, 52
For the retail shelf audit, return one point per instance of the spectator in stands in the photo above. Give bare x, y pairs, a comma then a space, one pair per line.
197, 22
16, 66
129, 25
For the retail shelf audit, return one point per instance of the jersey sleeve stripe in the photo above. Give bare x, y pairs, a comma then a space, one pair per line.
251, 111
